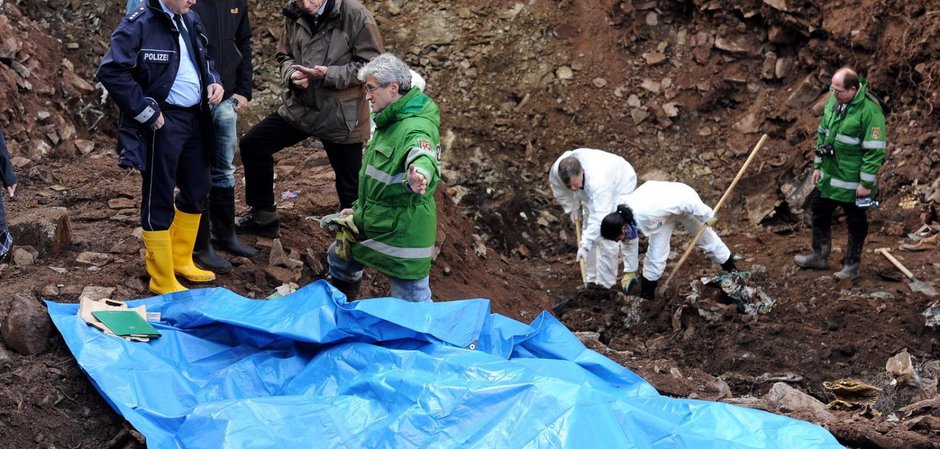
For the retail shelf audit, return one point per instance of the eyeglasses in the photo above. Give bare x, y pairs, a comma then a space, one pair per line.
370, 89
836, 91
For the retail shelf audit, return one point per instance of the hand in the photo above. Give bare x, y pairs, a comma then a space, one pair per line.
11, 190
416, 181
711, 222
575, 216
214, 93
345, 212
299, 79
317, 72
861, 191
157, 124
816, 175
628, 282
239, 103
582, 254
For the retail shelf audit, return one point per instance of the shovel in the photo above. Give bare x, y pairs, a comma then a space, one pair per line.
916, 285
577, 233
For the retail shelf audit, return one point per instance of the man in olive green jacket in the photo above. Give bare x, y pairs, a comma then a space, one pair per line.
395, 213
323, 44
850, 148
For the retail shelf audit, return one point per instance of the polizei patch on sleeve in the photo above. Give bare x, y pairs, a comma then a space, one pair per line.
158, 56
876, 133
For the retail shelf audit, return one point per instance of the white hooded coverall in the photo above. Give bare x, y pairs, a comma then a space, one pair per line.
607, 177
657, 207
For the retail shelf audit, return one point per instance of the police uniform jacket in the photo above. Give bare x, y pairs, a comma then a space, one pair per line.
140, 67
333, 108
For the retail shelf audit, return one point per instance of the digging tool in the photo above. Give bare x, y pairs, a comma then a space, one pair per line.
577, 234
916, 285
724, 197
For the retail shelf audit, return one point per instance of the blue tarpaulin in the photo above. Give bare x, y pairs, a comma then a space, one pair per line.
309, 370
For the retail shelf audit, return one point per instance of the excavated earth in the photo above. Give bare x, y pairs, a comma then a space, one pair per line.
683, 89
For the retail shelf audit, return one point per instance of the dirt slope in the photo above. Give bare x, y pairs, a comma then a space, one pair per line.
683, 89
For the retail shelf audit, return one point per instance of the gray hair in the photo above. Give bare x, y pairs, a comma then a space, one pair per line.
568, 168
386, 68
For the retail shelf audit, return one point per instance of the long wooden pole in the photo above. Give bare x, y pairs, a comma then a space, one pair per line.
577, 234
721, 202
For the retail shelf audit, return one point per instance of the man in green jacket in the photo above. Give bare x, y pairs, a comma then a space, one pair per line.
395, 213
850, 148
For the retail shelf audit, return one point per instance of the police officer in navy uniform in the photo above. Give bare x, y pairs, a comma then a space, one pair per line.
158, 72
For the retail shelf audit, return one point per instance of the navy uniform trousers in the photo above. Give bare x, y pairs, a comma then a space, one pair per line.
177, 157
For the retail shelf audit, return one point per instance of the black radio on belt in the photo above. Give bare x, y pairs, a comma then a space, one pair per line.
825, 150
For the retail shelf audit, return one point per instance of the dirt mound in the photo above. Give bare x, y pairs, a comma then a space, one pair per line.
682, 89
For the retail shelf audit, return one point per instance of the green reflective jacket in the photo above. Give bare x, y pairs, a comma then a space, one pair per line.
398, 227
858, 135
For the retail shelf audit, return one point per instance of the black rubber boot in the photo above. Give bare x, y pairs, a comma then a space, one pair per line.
259, 222
222, 215
853, 257
819, 259
647, 288
728, 265
350, 289
203, 253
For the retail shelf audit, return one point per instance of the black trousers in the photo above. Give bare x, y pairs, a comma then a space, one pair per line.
273, 134
855, 217
176, 157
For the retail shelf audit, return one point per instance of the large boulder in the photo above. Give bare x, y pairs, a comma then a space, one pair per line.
26, 328
47, 229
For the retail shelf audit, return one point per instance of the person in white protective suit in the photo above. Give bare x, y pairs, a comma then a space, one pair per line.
654, 209
593, 179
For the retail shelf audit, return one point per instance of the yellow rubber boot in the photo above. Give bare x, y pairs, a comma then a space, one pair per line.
160, 263
183, 236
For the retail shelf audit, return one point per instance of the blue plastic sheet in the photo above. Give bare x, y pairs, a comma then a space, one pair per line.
310, 370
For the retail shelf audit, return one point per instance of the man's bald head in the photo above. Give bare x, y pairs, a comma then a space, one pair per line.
844, 85
848, 78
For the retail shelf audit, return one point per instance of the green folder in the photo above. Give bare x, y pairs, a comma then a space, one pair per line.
126, 323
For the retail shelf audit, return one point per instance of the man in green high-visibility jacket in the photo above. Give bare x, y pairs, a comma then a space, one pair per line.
850, 148
395, 211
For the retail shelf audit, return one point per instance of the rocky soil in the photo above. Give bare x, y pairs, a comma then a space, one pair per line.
682, 89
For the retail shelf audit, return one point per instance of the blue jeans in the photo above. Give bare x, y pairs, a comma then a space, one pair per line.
224, 120
412, 290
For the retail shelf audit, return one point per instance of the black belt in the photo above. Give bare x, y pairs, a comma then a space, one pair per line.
173, 107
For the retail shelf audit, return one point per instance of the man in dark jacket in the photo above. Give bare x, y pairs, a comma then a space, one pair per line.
159, 74
323, 44
229, 33
8, 178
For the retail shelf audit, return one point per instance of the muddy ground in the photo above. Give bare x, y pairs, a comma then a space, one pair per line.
682, 89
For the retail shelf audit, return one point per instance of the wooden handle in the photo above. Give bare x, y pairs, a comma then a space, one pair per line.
577, 234
724, 197
884, 252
